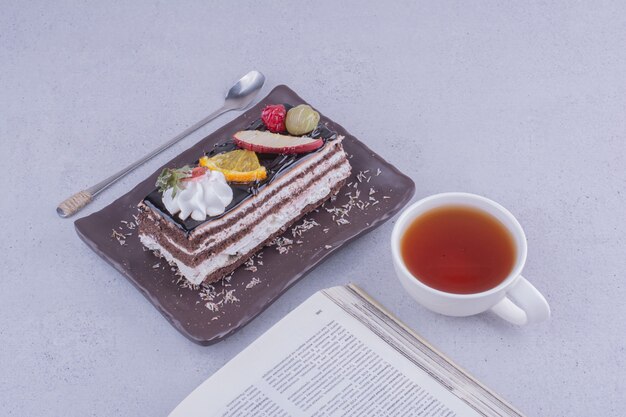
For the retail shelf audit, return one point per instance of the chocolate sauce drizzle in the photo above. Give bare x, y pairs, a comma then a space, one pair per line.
275, 164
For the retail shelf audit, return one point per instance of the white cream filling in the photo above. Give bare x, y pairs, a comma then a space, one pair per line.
193, 275
258, 234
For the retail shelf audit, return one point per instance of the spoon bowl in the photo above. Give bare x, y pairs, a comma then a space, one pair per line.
245, 90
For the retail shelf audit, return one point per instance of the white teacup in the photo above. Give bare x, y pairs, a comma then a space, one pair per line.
514, 299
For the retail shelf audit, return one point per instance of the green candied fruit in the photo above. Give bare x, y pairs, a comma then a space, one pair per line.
301, 120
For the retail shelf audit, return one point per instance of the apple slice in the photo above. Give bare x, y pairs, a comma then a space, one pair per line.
268, 142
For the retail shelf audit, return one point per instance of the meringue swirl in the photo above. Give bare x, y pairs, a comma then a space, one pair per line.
206, 195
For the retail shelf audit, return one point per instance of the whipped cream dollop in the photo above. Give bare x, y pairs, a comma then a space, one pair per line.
206, 195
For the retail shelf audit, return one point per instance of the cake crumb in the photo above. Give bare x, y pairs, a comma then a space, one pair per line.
362, 176
307, 224
328, 246
214, 300
156, 265
184, 283
283, 244
229, 297
253, 282
249, 265
130, 225
121, 238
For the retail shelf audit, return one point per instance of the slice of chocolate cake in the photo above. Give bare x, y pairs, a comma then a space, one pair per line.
207, 220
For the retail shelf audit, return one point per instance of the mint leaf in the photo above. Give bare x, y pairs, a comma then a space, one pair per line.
171, 178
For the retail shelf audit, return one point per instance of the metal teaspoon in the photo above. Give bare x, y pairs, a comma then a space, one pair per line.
238, 98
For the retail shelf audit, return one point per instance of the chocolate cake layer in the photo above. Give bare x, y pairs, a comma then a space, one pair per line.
217, 247
222, 272
206, 235
194, 259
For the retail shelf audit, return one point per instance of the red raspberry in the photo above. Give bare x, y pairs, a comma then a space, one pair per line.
273, 117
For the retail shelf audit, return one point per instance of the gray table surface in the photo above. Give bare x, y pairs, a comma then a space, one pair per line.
524, 103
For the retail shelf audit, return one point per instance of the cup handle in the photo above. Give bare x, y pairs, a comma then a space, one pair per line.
525, 305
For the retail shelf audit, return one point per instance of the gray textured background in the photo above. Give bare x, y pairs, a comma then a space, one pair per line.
524, 103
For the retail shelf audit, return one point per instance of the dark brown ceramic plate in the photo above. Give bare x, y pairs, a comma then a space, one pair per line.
377, 191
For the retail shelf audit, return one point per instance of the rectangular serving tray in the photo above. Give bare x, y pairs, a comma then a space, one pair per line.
209, 315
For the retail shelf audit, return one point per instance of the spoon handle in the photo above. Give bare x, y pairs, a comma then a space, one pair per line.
75, 203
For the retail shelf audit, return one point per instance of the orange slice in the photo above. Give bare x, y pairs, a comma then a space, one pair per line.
237, 166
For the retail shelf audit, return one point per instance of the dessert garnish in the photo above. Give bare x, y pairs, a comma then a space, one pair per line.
273, 116
170, 178
237, 166
301, 120
268, 142
196, 172
196, 192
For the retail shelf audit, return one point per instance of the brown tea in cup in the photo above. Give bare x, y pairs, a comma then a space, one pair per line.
458, 249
